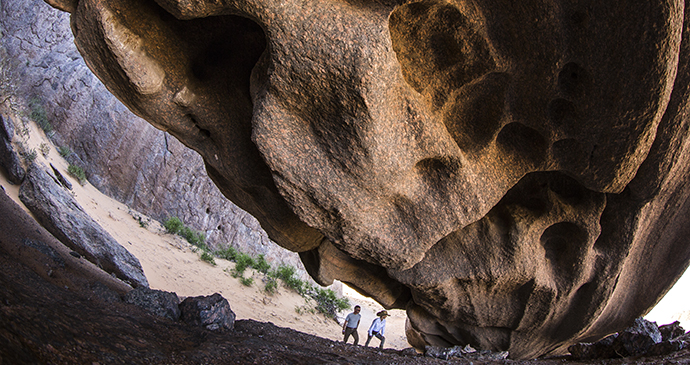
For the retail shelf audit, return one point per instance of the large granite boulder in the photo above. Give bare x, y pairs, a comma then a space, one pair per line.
62, 216
504, 171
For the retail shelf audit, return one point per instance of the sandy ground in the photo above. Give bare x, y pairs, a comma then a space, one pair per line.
171, 265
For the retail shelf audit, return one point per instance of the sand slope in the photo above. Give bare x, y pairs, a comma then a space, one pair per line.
170, 264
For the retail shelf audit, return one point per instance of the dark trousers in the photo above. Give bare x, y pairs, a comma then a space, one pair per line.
377, 335
351, 331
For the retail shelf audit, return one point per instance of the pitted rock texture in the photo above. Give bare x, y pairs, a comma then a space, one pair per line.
502, 170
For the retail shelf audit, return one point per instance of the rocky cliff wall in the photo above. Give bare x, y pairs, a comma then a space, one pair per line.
123, 156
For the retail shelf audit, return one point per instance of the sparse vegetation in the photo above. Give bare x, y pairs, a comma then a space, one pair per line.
29, 155
197, 239
44, 148
247, 281
39, 115
77, 172
173, 225
208, 257
143, 223
271, 285
326, 301
64, 151
228, 254
261, 265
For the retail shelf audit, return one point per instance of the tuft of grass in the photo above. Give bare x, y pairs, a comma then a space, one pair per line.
228, 254
39, 115
271, 285
327, 302
29, 156
208, 257
64, 151
77, 172
242, 262
286, 273
247, 281
143, 223
197, 239
44, 148
173, 225
261, 265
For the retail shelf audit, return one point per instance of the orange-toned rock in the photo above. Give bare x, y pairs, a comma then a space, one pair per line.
512, 173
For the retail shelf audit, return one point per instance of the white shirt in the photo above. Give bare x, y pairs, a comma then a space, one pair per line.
378, 325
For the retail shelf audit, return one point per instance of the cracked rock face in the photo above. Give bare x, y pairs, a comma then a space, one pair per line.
510, 173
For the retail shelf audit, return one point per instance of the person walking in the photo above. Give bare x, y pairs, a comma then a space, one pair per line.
377, 327
350, 325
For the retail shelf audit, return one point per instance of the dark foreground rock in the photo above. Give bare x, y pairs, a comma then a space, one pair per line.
158, 302
642, 338
57, 309
211, 312
62, 216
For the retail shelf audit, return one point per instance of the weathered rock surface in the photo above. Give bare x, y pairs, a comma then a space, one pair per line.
671, 331
158, 302
122, 155
62, 216
642, 338
503, 170
9, 159
211, 312
637, 339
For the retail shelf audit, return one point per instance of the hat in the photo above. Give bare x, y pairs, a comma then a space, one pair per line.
382, 313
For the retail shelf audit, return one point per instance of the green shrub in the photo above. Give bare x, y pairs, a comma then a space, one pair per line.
286, 273
271, 285
242, 262
195, 238
247, 281
39, 115
64, 151
173, 225
77, 172
208, 257
228, 254
261, 265
327, 302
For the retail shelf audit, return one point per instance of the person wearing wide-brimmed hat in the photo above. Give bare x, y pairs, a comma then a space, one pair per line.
377, 327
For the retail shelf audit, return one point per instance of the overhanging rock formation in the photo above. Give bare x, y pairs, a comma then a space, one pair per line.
510, 173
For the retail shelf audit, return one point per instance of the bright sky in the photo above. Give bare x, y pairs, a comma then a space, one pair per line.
676, 301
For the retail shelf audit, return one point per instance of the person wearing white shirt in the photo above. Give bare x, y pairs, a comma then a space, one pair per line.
377, 327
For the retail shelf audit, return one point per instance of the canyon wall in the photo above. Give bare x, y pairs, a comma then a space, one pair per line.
123, 156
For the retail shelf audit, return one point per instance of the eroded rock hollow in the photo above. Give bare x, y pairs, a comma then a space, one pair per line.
510, 173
